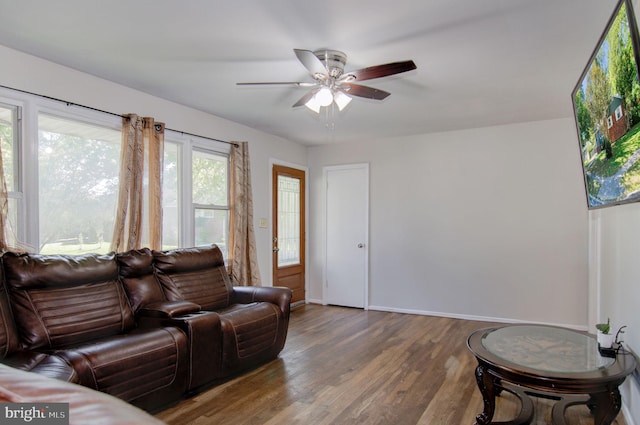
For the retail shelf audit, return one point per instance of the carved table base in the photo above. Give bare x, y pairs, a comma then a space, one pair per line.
550, 362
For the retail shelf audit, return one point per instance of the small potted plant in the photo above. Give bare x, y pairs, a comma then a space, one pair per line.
605, 338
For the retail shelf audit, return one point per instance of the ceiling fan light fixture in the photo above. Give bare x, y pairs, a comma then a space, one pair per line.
324, 97
313, 105
341, 99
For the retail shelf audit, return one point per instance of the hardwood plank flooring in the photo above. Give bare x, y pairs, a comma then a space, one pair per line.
349, 366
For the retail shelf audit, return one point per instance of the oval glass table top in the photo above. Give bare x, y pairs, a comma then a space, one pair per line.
547, 349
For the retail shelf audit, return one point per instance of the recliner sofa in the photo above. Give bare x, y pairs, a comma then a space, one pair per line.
148, 327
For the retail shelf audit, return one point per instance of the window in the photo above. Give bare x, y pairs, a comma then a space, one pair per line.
609, 122
10, 144
78, 168
171, 196
63, 179
210, 198
618, 112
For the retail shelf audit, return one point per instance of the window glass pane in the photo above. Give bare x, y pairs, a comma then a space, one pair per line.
8, 129
212, 226
209, 176
170, 197
78, 167
9, 137
288, 221
12, 219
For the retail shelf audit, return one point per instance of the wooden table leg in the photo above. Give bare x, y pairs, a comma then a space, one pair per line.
605, 406
527, 410
559, 409
488, 391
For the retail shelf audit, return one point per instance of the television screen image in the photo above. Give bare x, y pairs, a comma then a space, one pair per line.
606, 103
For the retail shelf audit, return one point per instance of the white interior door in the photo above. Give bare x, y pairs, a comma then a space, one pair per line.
347, 225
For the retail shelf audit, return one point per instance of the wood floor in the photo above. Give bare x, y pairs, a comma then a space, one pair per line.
349, 366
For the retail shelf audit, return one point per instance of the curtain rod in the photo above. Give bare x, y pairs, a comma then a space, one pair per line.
69, 103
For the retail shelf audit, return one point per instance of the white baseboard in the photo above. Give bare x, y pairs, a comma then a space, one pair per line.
471, 317
460, 316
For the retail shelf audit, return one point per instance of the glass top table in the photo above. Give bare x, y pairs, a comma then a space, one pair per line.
547, 360
546, 349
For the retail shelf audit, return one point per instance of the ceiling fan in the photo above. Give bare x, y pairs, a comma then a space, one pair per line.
332, 84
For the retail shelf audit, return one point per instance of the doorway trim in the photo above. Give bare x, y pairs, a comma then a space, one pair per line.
325, 171
272, 162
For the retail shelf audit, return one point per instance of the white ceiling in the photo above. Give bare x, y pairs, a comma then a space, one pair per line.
480, 62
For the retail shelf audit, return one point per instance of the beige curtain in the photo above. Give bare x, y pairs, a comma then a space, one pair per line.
139, 214
243, 256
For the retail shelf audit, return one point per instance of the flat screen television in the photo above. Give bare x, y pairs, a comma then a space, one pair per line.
606, 104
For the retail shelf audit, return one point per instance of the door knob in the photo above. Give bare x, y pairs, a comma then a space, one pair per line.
276, 249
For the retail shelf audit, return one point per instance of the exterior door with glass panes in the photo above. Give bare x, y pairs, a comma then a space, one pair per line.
288, 238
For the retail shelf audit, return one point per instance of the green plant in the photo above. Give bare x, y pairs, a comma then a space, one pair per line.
605, 328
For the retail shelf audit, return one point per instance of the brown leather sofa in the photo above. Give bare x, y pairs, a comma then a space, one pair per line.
145, 326
85, 406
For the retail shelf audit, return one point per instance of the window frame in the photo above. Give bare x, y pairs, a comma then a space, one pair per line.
17, 191
187, 144
618, 112
80, 116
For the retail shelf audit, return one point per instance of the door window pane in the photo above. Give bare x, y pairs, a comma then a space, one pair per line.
78, 165
288, 221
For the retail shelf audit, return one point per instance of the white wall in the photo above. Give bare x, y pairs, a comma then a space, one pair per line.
25, 72
489, 223
615, 238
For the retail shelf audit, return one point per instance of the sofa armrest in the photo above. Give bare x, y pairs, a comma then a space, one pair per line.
168, 309
277, 295
204, 335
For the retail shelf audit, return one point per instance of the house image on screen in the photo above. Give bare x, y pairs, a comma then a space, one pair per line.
617, 123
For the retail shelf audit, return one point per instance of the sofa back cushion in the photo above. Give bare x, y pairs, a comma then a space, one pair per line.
8, 331
197, 275
138, 278
59, 300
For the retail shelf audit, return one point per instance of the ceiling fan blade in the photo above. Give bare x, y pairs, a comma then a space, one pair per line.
307, 97
379, 71
363, 91
275, 83
311, 62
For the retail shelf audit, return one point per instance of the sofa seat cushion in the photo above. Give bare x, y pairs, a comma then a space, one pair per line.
249, 333
43, 364
135, 366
